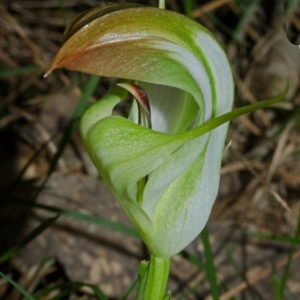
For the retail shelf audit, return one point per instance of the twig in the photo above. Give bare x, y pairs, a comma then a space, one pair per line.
41, 130
250, 125
264, 273
209, 7
278, 154
280, 200
36, 53
250, 97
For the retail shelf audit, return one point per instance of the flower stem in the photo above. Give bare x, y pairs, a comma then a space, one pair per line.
157, 278
161, 4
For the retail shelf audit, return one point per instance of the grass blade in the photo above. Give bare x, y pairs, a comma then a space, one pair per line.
130, 289
277, 283
62, 11
76, 215
271, 237
18, 71
98, 293
68, 288
87, 93
210, 267
290, 258
31, 236
188, 7
17, 286
35, 155
73, 123
192, 259
143, 272
253, 293
247, 13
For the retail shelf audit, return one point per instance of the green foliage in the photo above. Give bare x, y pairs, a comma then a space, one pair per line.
209, 265
17, 286
31, 236
4, 73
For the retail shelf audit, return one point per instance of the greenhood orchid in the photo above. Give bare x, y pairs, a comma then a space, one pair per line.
165, 171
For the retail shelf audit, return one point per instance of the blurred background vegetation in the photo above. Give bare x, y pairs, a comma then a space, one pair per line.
63, 236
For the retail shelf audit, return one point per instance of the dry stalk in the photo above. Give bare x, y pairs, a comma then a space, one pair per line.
261, 275
209, 7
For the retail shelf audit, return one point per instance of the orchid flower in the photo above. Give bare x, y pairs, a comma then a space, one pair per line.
163, 162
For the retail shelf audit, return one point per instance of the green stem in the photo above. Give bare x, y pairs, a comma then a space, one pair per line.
161, 4
157, 278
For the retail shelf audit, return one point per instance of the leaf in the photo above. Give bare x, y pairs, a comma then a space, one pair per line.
17, 286
31, 236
